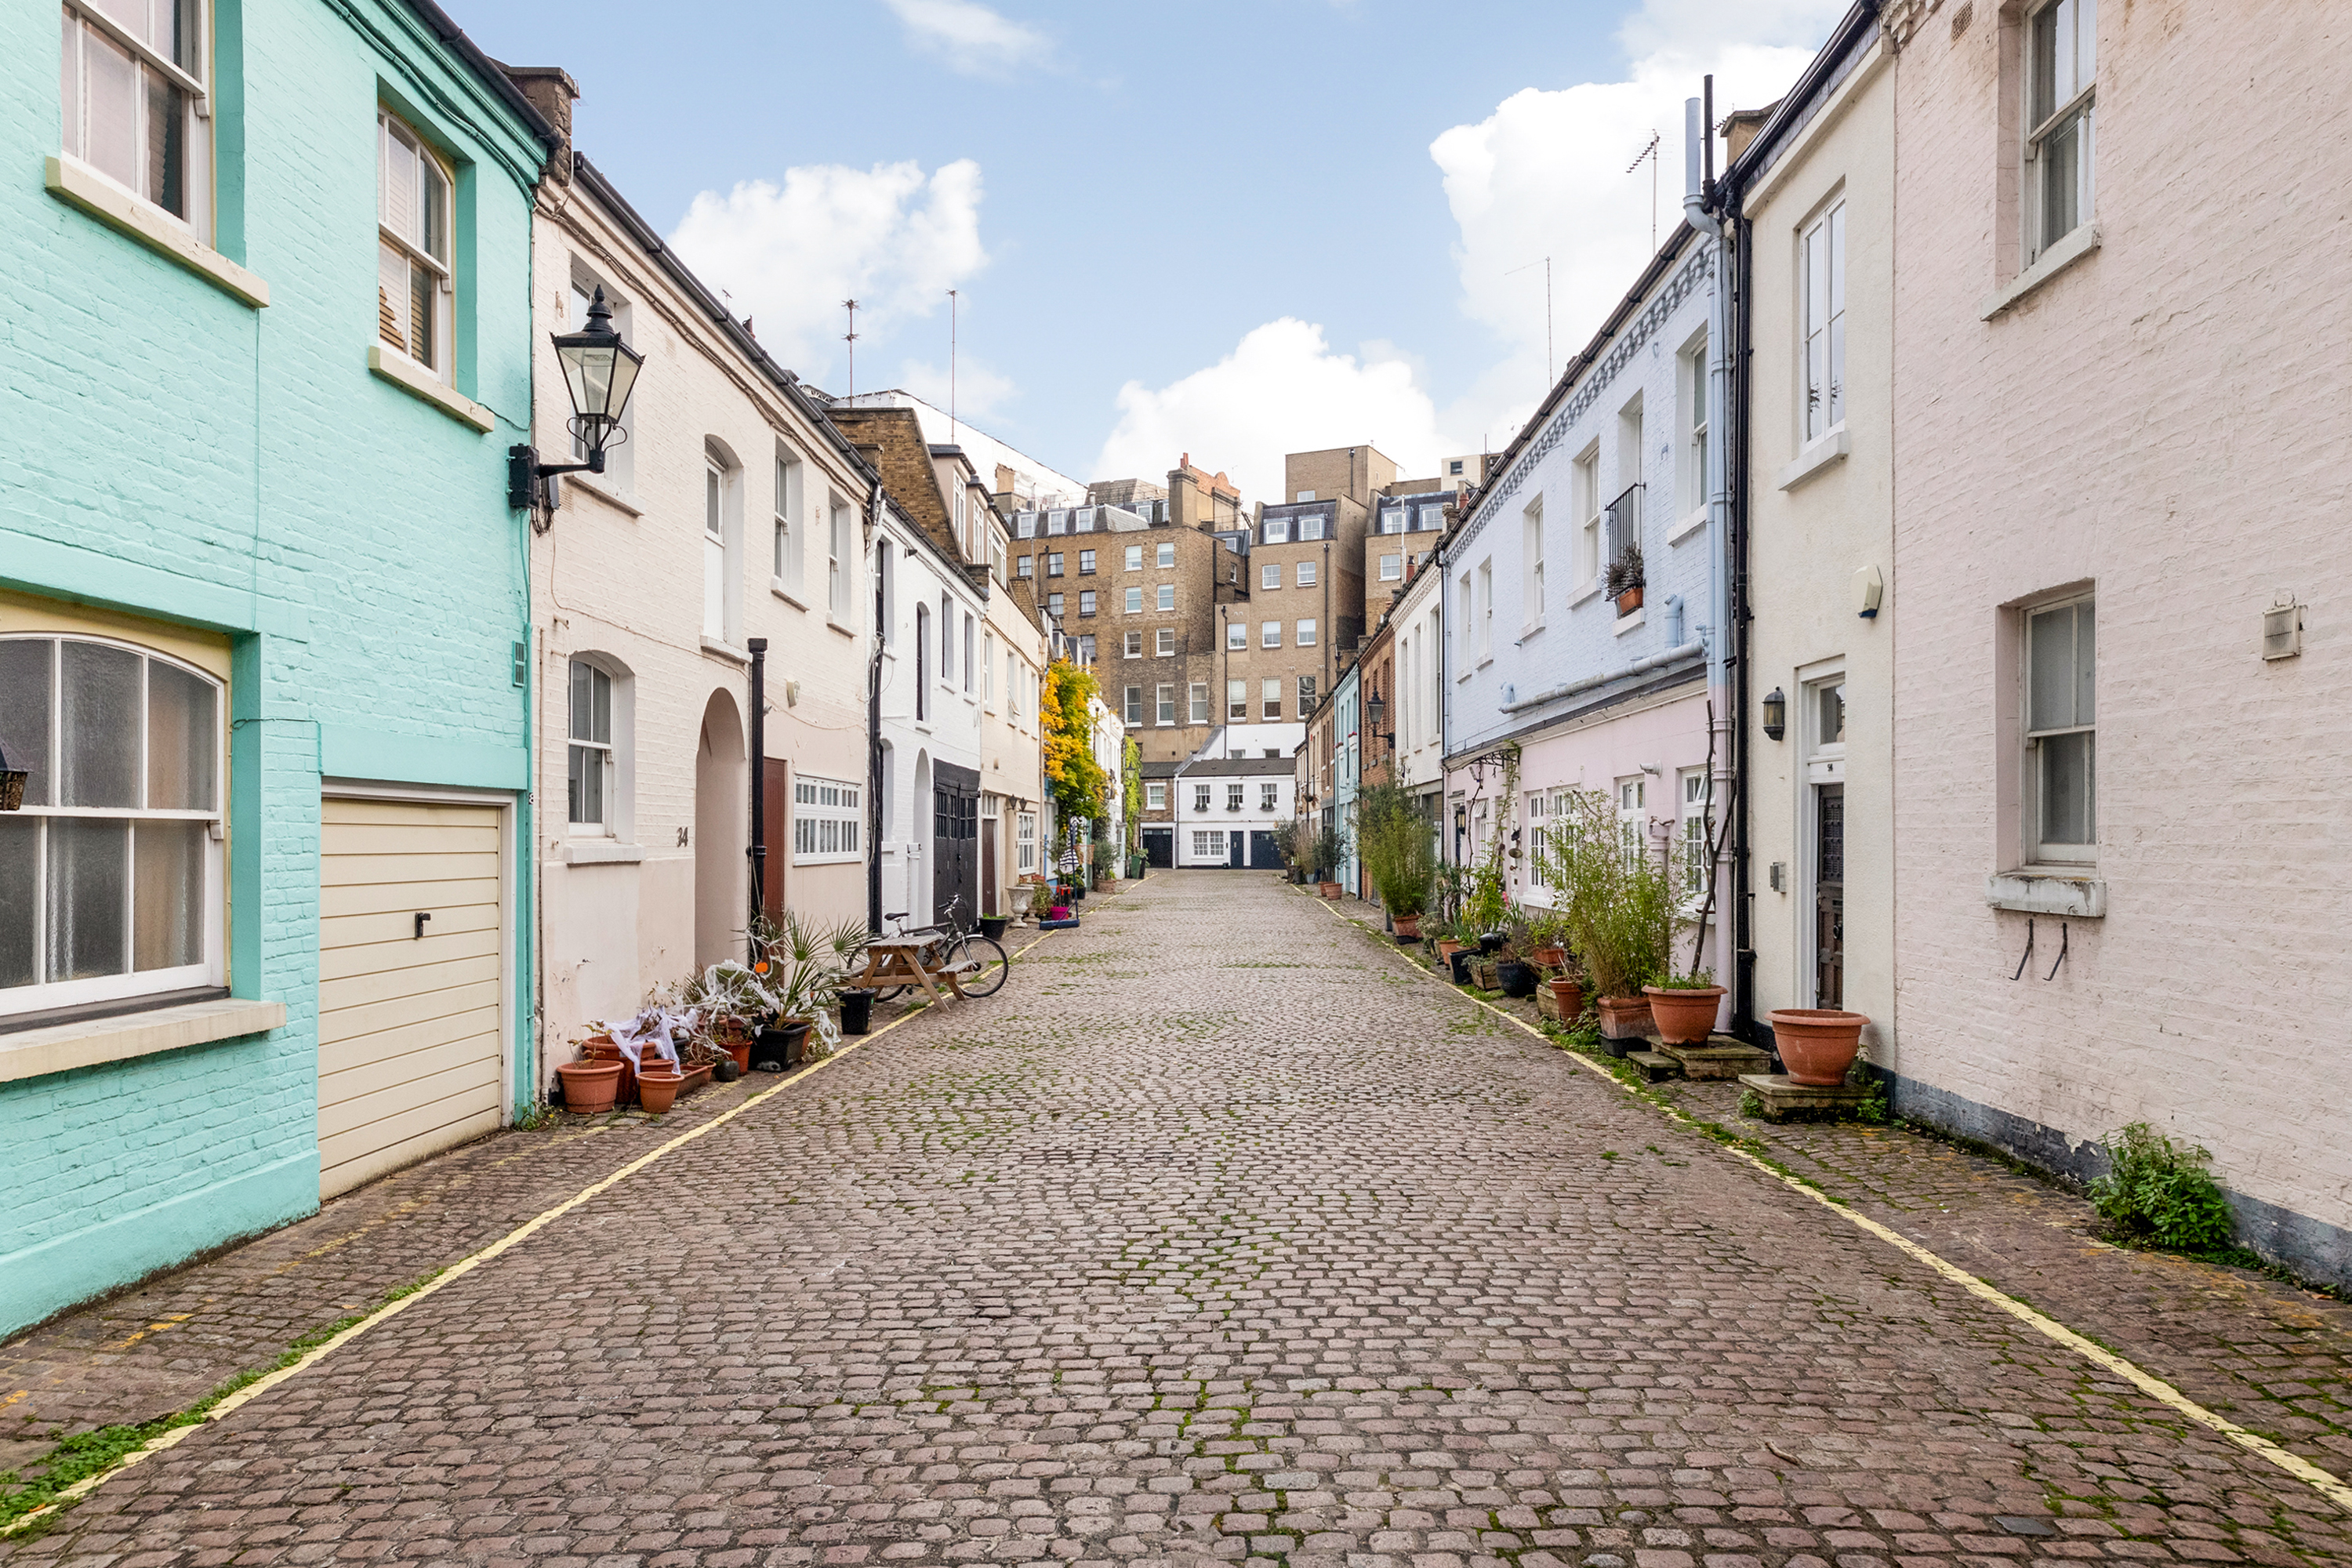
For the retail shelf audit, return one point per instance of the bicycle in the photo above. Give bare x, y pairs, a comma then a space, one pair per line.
978, 962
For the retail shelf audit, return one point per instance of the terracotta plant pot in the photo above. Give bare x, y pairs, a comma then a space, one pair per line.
1407, 928
742, 1051
1568, 995
1446, 948
1330, 889
1624, 1017
1548, 958
600, 1048
1685, 1017
1629, 601
1818, 1045
658, 1092
589, 1087
696, 1077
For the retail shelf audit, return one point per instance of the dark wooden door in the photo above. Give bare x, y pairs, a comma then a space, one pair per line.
992, 897
1159, 847
955, 838
1264, 855
1829, 896
1236, 852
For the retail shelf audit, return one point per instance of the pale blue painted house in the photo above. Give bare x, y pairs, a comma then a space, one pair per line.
263, 615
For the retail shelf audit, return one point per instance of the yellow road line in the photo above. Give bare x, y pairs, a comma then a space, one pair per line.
2330, 1487
452, 1274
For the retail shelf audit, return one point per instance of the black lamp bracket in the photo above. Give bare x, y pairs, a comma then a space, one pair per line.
527, 477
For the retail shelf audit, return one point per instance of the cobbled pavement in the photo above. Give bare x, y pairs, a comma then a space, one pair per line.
1219, 1235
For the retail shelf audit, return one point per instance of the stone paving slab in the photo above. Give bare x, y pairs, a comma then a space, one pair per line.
1218, 1237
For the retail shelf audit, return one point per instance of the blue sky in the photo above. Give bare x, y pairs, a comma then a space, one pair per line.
1234, 229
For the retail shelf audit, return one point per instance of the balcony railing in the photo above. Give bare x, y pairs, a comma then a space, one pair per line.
1623, 525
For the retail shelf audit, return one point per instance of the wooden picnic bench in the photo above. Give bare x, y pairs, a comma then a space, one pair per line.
905, 960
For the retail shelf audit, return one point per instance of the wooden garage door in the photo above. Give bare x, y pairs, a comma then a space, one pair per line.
408, 1025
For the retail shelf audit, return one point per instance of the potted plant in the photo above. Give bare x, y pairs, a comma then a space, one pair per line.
1818, 1045
727, 1003
1399, 854
1516, 977
1684, 1006
1547, 940
1626, 579
1560, 997
657, 1088
1618, 904
803, 969
993, 927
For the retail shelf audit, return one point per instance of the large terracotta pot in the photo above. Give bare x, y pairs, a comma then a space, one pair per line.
1685, 1017
1446, 948
1330, 889
1567, 996
1548, 958
600, 1048
1407, 928
658, 1090
1629, 601
589, 1087
1818, 1045
1624, 1017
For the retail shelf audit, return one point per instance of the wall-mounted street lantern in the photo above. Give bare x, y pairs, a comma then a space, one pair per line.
1776, 714
599, 371
1376, 712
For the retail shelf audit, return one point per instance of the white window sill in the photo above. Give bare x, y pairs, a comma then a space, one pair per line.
604, 489
1585, 595
602, 852
2076, 894
1830, 445
828, 860
418, 382
1691, 527
1627, 623
1483, 663
849, 632
2048, 265
61, 1047
781, 592
127, 214
1530, 629
725, 650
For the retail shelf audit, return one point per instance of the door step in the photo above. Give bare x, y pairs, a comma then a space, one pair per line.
1783, 1095
1654, 1065
1720, 1059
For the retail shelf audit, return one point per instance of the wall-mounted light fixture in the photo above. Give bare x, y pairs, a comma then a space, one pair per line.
1869, 588
1776, 713
599, 371
1376, 712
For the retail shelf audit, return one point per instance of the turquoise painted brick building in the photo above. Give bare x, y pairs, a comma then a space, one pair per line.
261, 934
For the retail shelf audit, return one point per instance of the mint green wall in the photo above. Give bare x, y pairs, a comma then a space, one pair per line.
175, 453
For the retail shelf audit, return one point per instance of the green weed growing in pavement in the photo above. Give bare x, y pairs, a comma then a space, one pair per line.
83, 1455
1751, 1105
2160, 1190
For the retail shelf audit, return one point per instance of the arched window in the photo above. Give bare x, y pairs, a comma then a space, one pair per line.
110, 875
923, 661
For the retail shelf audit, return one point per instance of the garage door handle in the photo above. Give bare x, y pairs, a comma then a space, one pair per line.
421, 918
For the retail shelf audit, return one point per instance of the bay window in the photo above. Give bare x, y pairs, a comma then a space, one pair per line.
111, 874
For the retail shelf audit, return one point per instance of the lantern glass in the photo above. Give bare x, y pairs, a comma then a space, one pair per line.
599, 371
1376, 709
1776, 713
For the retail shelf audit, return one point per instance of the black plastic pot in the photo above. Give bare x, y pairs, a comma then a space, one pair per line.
1518, 979
1459, 961
858, 1009
991, 927
773, 1050
1490, 942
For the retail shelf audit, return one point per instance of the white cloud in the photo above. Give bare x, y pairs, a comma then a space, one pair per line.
971, 37
1281, 390
978, 389
892, 238
1544, 175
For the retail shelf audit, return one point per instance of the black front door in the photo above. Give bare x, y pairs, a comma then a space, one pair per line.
1264, 855
1159, 847
955, 838
1828, 897
1237, 856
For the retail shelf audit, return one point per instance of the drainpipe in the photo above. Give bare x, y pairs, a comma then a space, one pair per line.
1739, 241
874, 713
1724, 791
759, 851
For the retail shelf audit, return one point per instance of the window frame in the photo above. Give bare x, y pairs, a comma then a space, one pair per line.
1163, 703
1165, 558
1164, 645
790, 564
1237, 636
2076, 113
393, 127
1134, 558
1199, 697
839, 578
1166, 601
1270, 699
1132, 646
1304, 575
812, 812
1305, 633
131, 985
1821, 320
1269, 634
2037, 849
1237, 699
606, 823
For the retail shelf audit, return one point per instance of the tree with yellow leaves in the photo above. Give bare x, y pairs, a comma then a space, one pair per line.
1075, 778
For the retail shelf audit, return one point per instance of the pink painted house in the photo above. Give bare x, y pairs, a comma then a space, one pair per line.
2122, 679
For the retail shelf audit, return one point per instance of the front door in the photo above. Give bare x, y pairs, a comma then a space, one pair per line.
1236, 851
1159, 847
955, 838
1829, 896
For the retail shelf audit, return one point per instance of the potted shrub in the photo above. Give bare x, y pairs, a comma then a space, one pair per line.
1683, 1007
1818, 1045
804, 969
993, 927
1560, 997
1516, 977
1626, 579
1619, 908
1399, 854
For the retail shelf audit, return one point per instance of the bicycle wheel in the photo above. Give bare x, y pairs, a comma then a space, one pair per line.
990, 965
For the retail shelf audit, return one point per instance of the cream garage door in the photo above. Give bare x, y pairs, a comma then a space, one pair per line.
408, 1023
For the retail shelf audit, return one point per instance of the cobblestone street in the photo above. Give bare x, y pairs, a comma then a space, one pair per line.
1223, 1233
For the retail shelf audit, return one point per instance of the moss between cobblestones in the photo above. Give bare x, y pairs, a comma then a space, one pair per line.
82, 1455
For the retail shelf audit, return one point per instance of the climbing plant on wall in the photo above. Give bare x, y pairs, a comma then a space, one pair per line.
1080, 788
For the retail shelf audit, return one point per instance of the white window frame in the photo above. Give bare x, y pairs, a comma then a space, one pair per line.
1025, 842
1391, 568
840, 573
1269, 634
1210, 844
1134, 561
1237, 699
789, 567
2068, 83
604, 754
1531, 565
1694, 792
1694, 478
717, 494
1632, 798
1269, 577
1270, 699
988, 671
1163, 697
1134, 601
1164, 647
1201, 803
1199, 701
1304, 576
1305, 632
1131, 708
1269, 795
1277, 531
1165, 556
187, 75
2082, 708
1133, 647
1236, 636
827, 810
1820, 282
1167, 597
1155, 795
414, 250
1236, 794
39, 813
1584, 502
